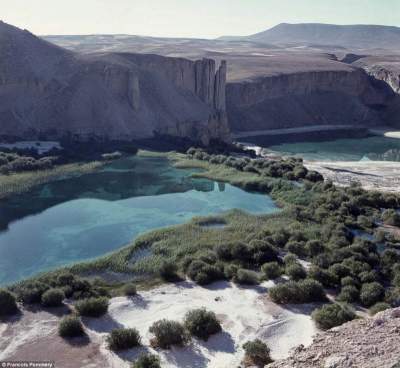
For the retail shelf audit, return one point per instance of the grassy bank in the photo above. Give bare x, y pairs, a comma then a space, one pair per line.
17, 183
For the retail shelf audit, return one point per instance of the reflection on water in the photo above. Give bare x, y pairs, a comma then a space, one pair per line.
371, 148
81, 218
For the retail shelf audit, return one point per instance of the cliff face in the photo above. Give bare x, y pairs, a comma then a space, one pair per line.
47, 90
307, 98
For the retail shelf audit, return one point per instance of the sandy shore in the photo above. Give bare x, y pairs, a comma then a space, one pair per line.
245, 313
373, 175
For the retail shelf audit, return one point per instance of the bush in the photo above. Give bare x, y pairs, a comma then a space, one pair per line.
368, 276
223, 251
271, 270
92, 307
168, 271
313, 248
246, 277
256, 353
305, 291
230, 271
65, 279
70, 326
31, 293
129, 289
168, 333
289, 258
349, 281
8, 304
378, 307
296, 248
332, 315
391, 217
348, 294
295, 271
323, 276
371, 293
53, 298
147, 361
202, 323
123, 338
202, 273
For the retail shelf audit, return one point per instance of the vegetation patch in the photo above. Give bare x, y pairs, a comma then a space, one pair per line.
70, 326
168, 333
92, 307
257, 353
123, 339
332, 315
202, 323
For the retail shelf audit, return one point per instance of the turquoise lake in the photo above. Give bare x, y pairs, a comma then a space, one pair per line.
371, 148
81, 218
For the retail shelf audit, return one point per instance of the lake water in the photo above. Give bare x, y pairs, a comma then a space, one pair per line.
71, 220
371, 148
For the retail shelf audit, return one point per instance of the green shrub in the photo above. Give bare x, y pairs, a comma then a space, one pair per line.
305, 291
332, 315
256, 353
53, 298
147, 361
348, 294
340, 270
167, 333
168, 271
65, 279
246, 277
92, 307
378, 307
223, 251
295, 271
349, 281
230, 271
391, 217
368, 276
129, 289
271, 270
123, 338
203, 273
202, 323
313, 248
8, 304
70, 326
371, 293
325, 277
289, 258
31, 292
296, 248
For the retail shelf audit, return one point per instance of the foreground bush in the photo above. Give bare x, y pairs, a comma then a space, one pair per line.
332, 315
129, 289
256, 353
348, 294
378, 307
305, 291
8, 304
31, 293
70, 326
371, 293
147, 361
53, 298
202, 323
246, 277
92, 307
295, 271
168, 271
123, 338
167, 333
203, 273
271, 270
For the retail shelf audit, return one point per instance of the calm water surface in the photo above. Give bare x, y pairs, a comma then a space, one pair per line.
371, 148
82, 218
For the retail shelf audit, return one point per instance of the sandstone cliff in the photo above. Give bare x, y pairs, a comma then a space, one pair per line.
48, 90
337, 96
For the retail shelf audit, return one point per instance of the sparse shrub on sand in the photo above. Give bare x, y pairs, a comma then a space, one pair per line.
168, 271
292, 292
257, 353
378, 307
271, 270
129, 289
70, 326
332, 315
92, 307
8, 304
123, 338
246, 277
53, 298
147, 361
167, 333
202, 323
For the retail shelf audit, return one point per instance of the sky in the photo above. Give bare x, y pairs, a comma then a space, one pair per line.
189, 18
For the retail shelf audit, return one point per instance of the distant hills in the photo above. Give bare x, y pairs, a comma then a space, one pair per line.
349, 36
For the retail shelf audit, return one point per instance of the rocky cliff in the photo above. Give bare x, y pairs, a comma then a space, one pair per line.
48, 90
337, 96
366, 343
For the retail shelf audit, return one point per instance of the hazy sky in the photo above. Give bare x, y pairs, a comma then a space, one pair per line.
189, 18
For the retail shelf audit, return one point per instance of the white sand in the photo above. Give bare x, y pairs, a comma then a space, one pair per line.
245, 314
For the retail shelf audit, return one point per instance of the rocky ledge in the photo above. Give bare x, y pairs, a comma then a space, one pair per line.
364, 343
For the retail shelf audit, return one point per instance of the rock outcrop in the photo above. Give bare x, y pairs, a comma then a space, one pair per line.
47, 90
366, 343
327, 97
